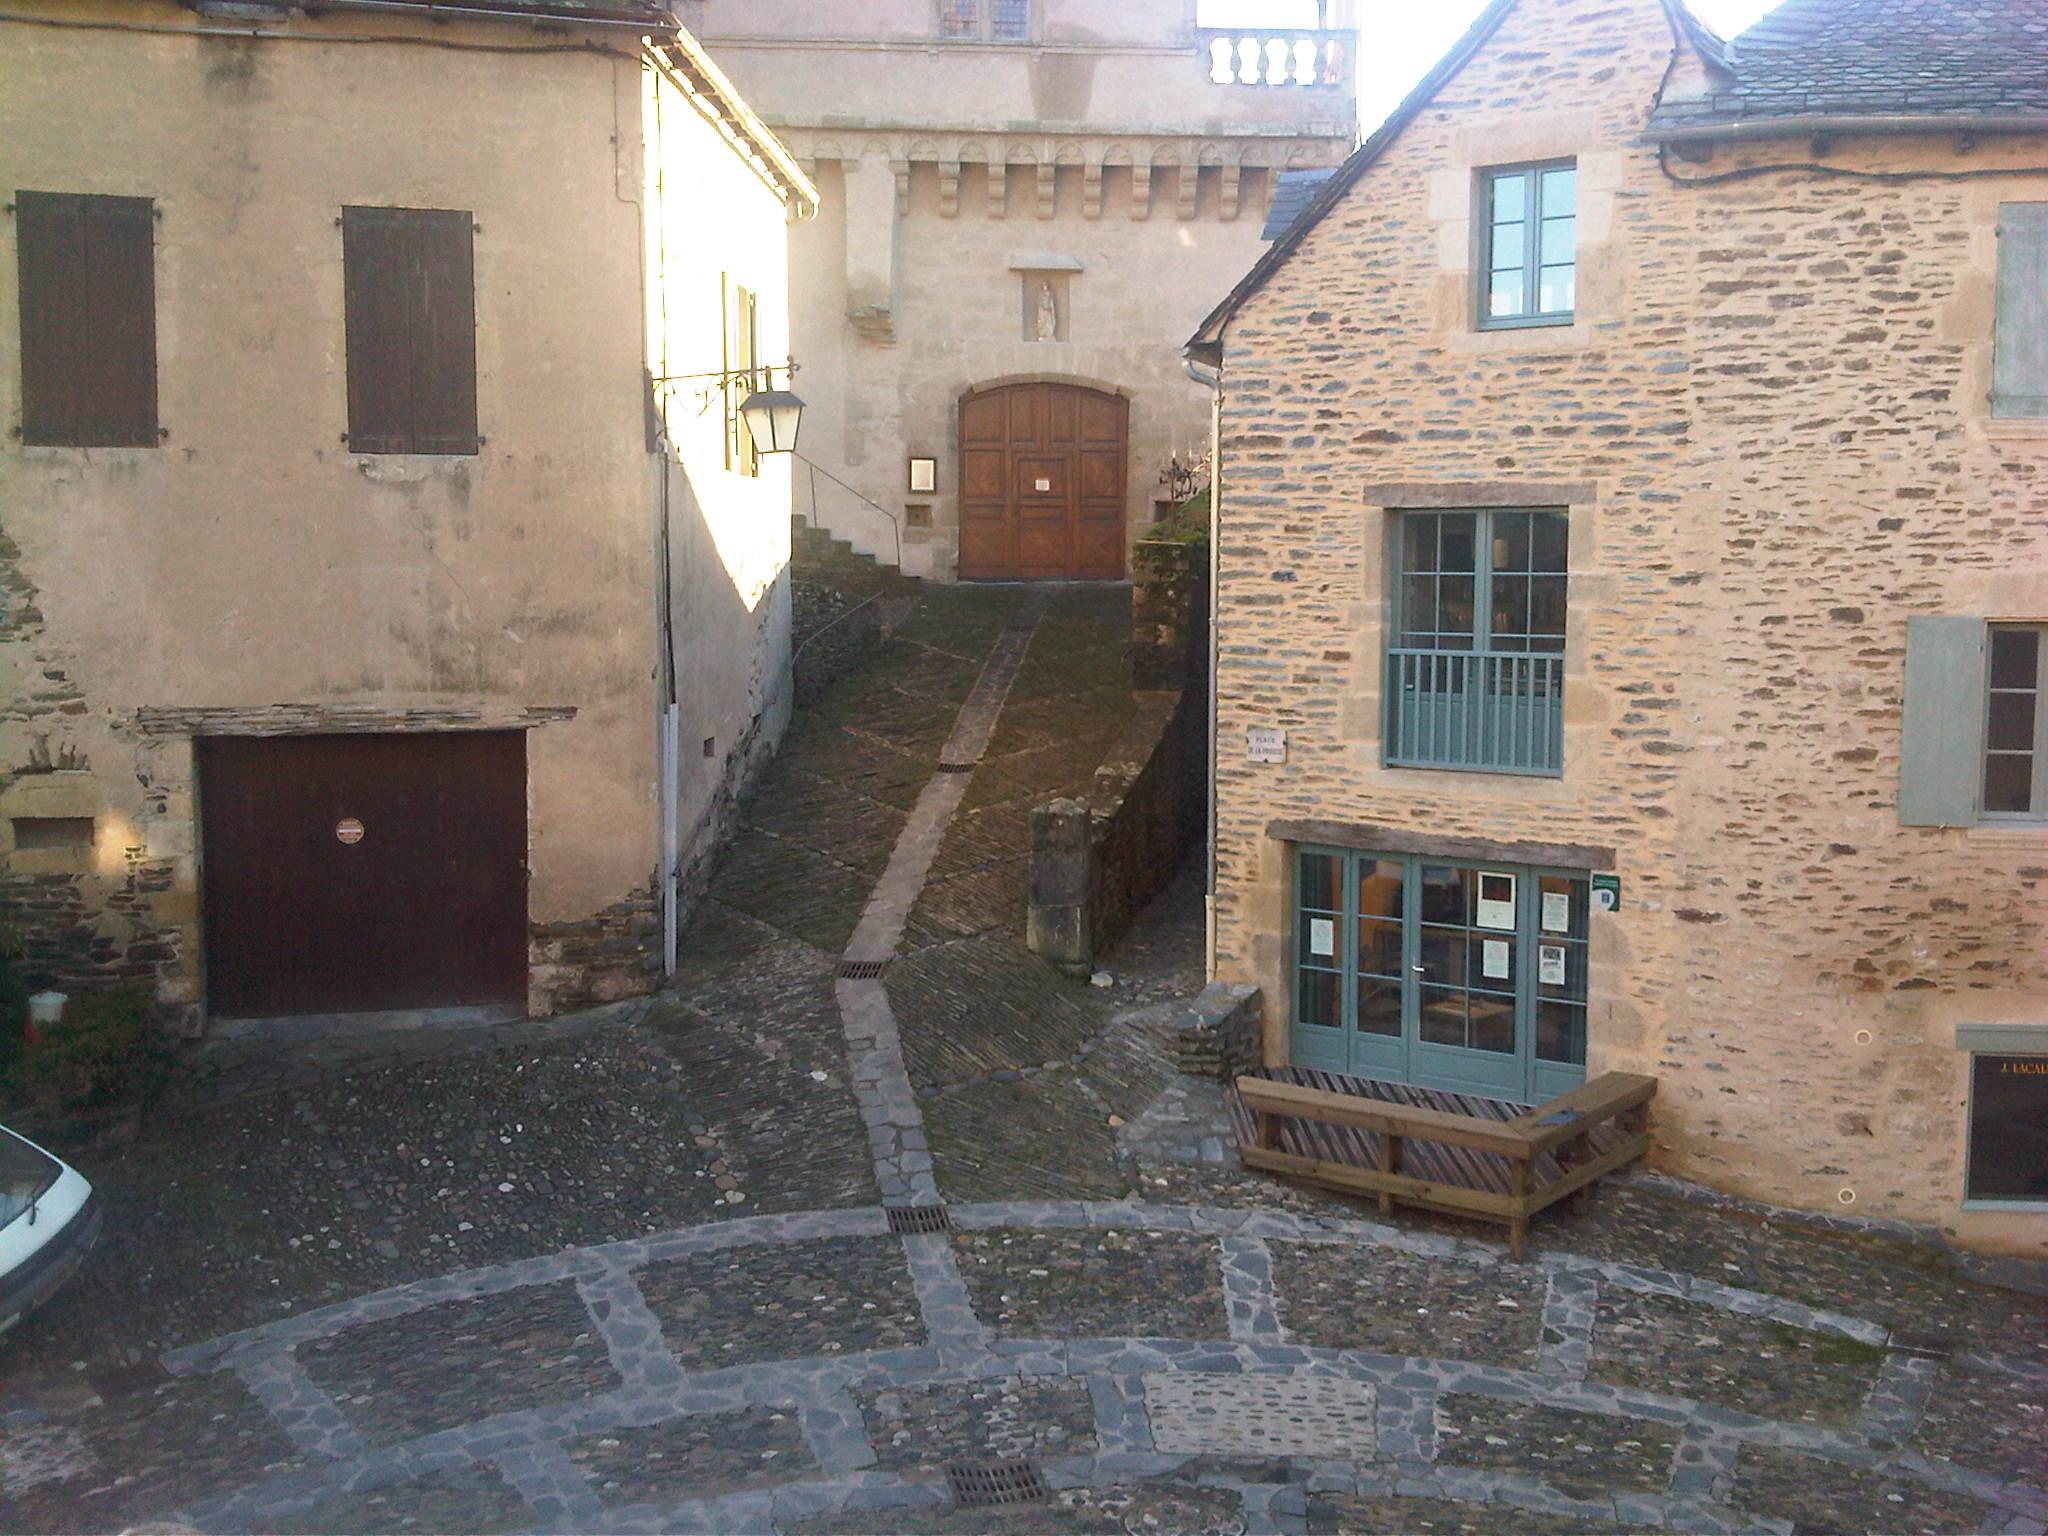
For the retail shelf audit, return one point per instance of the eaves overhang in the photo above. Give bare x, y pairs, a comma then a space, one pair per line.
691, 68
1842, 125
643, 18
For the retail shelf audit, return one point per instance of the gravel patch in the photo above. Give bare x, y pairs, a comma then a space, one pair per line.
1092, 1283
445, 1365
1831, 1500
784, 1302
1584, 1454
1761, 1367
181, 1443
1004, 1419
1165, 1509
473, 1500
1400, 1304
693, 1458
1349, 1515
1988, 1421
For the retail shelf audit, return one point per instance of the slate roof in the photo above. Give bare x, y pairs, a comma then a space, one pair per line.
1290, 197
1879, 58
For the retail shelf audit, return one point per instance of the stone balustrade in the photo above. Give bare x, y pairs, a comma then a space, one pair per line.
1278, 56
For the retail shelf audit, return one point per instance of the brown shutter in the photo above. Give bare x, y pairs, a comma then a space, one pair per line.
376, 277
408, 276
444, 332
120, 250
88, 319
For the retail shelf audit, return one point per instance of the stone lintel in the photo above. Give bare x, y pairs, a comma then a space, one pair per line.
332, 719
2003, 1039
1043, 261
1374, 837
1479, 493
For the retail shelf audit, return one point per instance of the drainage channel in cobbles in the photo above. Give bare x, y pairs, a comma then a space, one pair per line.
827, 1345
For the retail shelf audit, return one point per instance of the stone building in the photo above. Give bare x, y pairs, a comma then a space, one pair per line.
1632, 568
1026, 206
376, 636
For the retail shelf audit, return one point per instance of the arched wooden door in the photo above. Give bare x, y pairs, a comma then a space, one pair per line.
1042, 482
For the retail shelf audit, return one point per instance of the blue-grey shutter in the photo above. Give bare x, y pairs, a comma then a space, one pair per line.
2019, 349
1941, 762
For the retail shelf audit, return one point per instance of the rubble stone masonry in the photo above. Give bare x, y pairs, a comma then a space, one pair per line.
1770, 423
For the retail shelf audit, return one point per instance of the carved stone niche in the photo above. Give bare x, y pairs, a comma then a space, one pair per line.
1046, 279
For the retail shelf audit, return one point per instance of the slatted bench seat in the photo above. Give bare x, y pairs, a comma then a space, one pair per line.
1445, 1152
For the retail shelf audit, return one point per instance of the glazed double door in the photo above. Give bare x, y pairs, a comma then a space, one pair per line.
1042, 471
1464, 977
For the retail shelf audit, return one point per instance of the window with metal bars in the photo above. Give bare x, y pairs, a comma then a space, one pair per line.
1475, 677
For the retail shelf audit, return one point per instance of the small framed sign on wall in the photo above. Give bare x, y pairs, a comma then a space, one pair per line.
924, 475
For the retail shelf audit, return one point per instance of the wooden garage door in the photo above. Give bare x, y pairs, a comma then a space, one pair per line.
1042, 482
350, 873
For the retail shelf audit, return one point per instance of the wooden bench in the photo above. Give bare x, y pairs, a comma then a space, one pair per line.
1548, 1150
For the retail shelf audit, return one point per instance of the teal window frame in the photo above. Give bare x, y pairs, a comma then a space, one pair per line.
1477, 696
1403, 1053
1546, 234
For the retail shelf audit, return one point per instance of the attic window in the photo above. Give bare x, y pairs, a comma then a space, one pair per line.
1529, 275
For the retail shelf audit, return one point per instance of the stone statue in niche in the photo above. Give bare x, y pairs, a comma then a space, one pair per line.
1046, 325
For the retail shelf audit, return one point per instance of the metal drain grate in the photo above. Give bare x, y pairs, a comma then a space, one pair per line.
977, 1485
1926, 1346
861, 970
957, 767
920, 1218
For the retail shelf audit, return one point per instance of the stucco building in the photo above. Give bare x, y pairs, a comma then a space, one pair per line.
392, 603
1026, 206
1632, 568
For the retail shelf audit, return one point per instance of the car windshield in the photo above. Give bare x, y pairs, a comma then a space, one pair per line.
25, 1175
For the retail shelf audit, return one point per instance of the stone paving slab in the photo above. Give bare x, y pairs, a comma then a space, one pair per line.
476, 1500
1054, 1284
415, 1374
1759, 1366
1571, 1451
698, 1457
1819, 1496
795, 1300
1398, 1304
180, 1443
991, 1420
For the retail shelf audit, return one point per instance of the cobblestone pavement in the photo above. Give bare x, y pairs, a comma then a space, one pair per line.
948, 1249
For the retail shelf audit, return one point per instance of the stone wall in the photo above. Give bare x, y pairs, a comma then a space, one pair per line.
1769, 424
1096, 863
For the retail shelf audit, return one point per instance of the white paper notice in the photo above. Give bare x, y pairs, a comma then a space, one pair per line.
1496, 900
1322, 936
1550, 964
1493, 959
1557, 912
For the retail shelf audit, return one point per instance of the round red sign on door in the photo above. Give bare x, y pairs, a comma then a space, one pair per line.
348, 830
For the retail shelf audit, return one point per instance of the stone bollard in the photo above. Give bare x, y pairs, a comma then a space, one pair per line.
1062, 885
